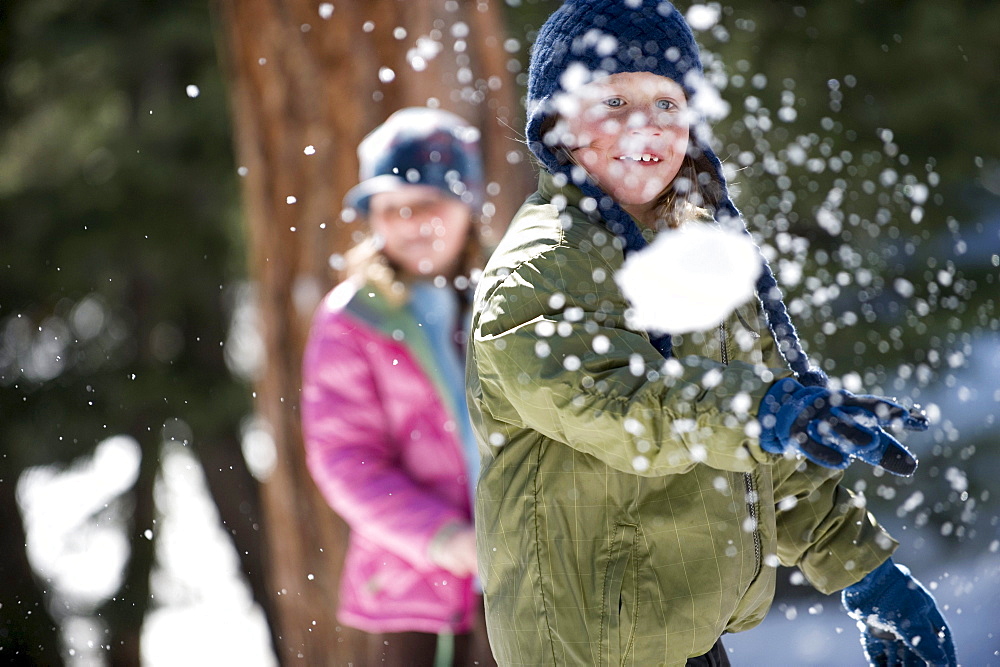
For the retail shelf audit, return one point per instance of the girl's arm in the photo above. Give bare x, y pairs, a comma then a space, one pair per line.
351, 455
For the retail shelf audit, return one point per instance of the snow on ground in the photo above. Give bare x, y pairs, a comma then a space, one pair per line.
205, 613
204, 599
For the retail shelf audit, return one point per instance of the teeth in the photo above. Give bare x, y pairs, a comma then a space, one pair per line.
645, 157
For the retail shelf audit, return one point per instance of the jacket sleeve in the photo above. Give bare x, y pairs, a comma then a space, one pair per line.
352, 456
552, 353
823, 528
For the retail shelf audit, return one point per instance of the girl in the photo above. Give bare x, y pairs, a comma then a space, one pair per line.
386, 428
637, 492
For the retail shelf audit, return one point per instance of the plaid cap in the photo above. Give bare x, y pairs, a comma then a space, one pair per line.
419, 146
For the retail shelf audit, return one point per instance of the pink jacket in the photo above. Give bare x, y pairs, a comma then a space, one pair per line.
383, 447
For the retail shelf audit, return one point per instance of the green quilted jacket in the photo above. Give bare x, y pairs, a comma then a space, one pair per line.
626, 513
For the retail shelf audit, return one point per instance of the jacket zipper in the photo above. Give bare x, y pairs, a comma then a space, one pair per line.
752, 507
722, 343
747, 477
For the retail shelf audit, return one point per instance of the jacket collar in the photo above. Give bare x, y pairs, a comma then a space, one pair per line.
398, 323
551, 187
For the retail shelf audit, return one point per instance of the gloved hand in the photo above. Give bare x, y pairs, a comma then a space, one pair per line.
899, 620
832, 427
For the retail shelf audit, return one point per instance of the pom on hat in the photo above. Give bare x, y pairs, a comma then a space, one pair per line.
419, 146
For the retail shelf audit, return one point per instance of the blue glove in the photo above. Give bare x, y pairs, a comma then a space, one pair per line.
899, 620
832, 427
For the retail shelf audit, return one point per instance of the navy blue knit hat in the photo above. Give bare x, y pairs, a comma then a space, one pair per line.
586, 39
419, 146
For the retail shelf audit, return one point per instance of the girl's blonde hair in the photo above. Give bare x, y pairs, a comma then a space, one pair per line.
366, 263
682, 199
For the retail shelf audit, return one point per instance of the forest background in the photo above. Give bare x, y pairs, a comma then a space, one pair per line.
170, 178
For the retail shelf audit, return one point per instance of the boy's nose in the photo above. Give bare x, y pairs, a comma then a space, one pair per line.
652, 122
640, 122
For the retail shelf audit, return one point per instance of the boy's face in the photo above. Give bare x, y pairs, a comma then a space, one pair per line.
423, 229
630, 132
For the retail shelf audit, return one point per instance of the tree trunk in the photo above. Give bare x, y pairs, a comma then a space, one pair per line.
124, 613
28, 633
307, 81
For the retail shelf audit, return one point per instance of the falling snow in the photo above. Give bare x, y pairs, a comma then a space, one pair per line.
860, 267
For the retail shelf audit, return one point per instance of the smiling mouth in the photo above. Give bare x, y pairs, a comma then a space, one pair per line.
644, 157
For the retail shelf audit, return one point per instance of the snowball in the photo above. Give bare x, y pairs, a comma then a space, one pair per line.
903, 287
957, 479
640, 464
425, 50
913, 502
634, 426
576, 75
918, 193
689, 279
706, 100
702, 17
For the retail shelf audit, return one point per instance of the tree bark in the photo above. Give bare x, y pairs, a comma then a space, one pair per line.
123, 614
307, 81
29, 634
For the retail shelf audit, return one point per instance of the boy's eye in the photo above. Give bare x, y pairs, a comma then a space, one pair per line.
666, 105
614, 102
